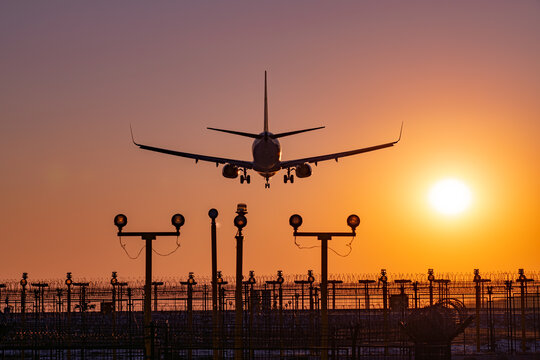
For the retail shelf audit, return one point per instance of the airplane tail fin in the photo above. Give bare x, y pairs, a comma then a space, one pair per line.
295, 132
265, 105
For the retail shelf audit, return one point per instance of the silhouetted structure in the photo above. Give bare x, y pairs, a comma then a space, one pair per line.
359, 327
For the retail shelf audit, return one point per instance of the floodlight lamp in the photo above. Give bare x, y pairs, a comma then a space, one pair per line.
120, 221
280, 277
24, 282
241, 208
251, 278
383, 277
476, 275
177, 221
219, 277
240, 221
310, 278
353, 221
213, 213
191, 279
295, 221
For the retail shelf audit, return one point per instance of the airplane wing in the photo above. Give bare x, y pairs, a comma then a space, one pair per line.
336, 156
197, 157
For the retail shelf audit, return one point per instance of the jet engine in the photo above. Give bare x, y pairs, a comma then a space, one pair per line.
230, 171
303, 171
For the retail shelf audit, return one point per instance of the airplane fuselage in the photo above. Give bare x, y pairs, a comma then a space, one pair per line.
266, 155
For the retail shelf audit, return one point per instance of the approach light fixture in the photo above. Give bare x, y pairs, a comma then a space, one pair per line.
120, 221
191, 279
280, 278
240, 221
241, 208
219, 277
68, 279
383, 277
114, 278
310, 278
177, 221
213, 213
24, 282
251, 279
295, 221
353, 221
430, 277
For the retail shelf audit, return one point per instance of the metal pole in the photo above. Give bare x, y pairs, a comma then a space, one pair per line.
324, 296
148, 299
477, 291
238, 353
523, 333
430, 292
214, 291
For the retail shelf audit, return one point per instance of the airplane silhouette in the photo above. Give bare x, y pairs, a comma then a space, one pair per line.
266, 151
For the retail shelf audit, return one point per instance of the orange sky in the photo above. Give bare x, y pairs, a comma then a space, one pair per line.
463, 76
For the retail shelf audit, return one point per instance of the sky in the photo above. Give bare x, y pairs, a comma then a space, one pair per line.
463, 77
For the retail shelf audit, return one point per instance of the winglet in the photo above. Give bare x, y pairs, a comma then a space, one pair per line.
132, 137
400, 132
265, 105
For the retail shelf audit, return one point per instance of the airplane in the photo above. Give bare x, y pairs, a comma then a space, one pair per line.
266, 151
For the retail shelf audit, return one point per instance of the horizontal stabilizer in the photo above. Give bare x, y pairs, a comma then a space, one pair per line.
275, 136
254, 136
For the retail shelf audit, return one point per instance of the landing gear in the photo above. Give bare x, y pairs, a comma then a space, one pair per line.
245, 177
288, 177
267, 185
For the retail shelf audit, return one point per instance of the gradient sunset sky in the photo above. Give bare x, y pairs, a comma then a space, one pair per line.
463, 76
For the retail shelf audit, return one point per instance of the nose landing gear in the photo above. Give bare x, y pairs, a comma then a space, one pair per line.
267, 185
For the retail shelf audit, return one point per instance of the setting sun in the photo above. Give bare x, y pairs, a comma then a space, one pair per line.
450, 196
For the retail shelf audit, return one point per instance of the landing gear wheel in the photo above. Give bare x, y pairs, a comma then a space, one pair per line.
241, 179
248, 179
291, 178
285, 178
267, 186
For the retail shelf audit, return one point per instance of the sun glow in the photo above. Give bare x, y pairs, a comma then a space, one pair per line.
450, 196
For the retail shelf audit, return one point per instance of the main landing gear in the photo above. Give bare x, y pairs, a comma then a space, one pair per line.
245, 177
288, 177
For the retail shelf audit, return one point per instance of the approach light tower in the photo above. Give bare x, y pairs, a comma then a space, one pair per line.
120, 221
296, 221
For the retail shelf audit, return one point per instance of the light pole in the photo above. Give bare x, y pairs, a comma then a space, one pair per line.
213, 214
366, 292
120, 221
478, 282
23, 282
352, 221
155, 284
431, 278
523, 280
240, 222
190, 283
309, 281
40, 288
